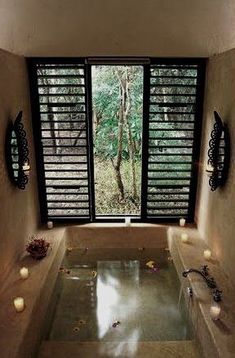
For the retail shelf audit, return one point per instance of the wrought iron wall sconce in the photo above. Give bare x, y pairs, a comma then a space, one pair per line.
17, 153
218, 154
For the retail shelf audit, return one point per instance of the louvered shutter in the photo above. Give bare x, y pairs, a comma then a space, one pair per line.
62, 138
171, 138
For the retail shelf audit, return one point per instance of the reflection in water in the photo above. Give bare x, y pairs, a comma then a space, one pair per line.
126, 348
180, 295
113, 304
107, 299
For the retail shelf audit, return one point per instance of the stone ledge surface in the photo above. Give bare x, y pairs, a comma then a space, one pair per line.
20, 332
117, 236
174, 349
217, 337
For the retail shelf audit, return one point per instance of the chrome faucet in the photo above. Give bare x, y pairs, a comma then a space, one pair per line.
204, 272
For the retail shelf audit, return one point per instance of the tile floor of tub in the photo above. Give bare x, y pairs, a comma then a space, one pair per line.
125, 290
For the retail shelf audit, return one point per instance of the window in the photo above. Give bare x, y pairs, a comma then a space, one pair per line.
62, 120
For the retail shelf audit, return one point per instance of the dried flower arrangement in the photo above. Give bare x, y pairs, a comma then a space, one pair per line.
37, 248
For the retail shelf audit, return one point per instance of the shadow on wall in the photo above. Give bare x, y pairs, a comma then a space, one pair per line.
19, 209
215, 210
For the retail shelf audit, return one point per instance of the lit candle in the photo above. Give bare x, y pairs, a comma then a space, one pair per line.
182, 222
184, 237
207, 254
50, 224
26, 168
24, 272
19, 304
209, 168
215, 312
128, 221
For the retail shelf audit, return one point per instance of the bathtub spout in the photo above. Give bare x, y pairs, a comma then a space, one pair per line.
204, 273
216, 293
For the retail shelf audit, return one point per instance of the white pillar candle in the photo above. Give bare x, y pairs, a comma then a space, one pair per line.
19, 304
215, 312
207, 254
128, 221
182, 222
50, 224
184, 237
24, 272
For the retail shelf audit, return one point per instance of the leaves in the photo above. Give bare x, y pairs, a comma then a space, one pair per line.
106, 82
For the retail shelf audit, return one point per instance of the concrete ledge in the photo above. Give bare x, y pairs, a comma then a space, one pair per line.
21, 332
217, 338
117, 236
166, 349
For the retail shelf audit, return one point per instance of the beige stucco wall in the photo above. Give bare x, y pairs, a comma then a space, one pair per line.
216, 210
19, 208
117, 27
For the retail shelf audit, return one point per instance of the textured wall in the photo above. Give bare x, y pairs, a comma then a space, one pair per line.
117, 27
216, 210
19, 209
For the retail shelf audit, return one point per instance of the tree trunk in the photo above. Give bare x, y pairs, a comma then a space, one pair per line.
131, 147
117, 164
119, 182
